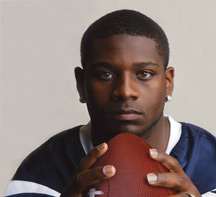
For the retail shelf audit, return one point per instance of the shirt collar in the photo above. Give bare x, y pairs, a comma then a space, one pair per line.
175, 133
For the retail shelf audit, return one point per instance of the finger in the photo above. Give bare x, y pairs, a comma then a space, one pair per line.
169, 162
170, 180
94, 175
91, 158
82, 180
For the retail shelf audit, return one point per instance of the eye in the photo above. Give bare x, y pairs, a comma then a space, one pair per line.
144, 75
106, 75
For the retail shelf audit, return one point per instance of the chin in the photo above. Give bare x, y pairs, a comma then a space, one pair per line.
128, 128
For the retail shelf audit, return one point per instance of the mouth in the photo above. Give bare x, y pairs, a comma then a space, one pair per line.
126, 114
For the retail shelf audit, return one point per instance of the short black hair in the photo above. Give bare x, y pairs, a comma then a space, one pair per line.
128, 22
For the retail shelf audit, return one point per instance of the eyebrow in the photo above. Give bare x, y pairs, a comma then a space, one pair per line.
110, 65
102, 64
146, 64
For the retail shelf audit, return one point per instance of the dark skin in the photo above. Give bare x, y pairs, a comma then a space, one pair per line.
125, 86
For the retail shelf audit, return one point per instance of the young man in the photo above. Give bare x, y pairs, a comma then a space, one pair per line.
125, 83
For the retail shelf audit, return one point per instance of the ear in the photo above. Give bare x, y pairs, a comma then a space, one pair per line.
79, 74
169, 74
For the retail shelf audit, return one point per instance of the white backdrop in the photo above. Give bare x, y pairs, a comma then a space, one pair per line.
40, 48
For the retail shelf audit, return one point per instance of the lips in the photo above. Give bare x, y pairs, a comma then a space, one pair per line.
126, 114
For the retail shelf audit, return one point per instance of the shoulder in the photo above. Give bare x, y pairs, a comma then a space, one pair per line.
62, 146
199, 137
50, 165
195, 151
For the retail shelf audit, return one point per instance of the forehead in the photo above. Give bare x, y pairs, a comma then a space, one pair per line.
124, 49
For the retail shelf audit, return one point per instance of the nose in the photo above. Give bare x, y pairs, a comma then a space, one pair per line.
125, 88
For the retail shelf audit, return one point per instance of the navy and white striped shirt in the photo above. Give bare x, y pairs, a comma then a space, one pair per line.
47, 169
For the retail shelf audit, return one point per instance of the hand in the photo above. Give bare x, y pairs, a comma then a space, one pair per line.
176, 178
85, 176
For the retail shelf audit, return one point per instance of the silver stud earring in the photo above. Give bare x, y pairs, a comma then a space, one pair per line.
82, 99
168, 98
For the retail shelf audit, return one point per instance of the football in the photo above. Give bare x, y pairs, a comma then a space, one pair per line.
130, 156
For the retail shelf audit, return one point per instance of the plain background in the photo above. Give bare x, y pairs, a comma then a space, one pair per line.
40, 48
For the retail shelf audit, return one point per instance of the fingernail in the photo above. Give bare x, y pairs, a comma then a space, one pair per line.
108, 170
152, 178
154, 152
101, 146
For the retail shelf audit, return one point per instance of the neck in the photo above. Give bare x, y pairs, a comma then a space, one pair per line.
157, 136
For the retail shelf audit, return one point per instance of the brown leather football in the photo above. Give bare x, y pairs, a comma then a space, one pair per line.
129, 154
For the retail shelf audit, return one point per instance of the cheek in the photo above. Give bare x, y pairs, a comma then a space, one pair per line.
155, 94
160, 95
97, 93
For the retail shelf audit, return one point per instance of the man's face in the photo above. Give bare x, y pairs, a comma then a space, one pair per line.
125, 85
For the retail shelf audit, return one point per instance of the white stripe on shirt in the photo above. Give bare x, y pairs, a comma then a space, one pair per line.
21, 187
210, 194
